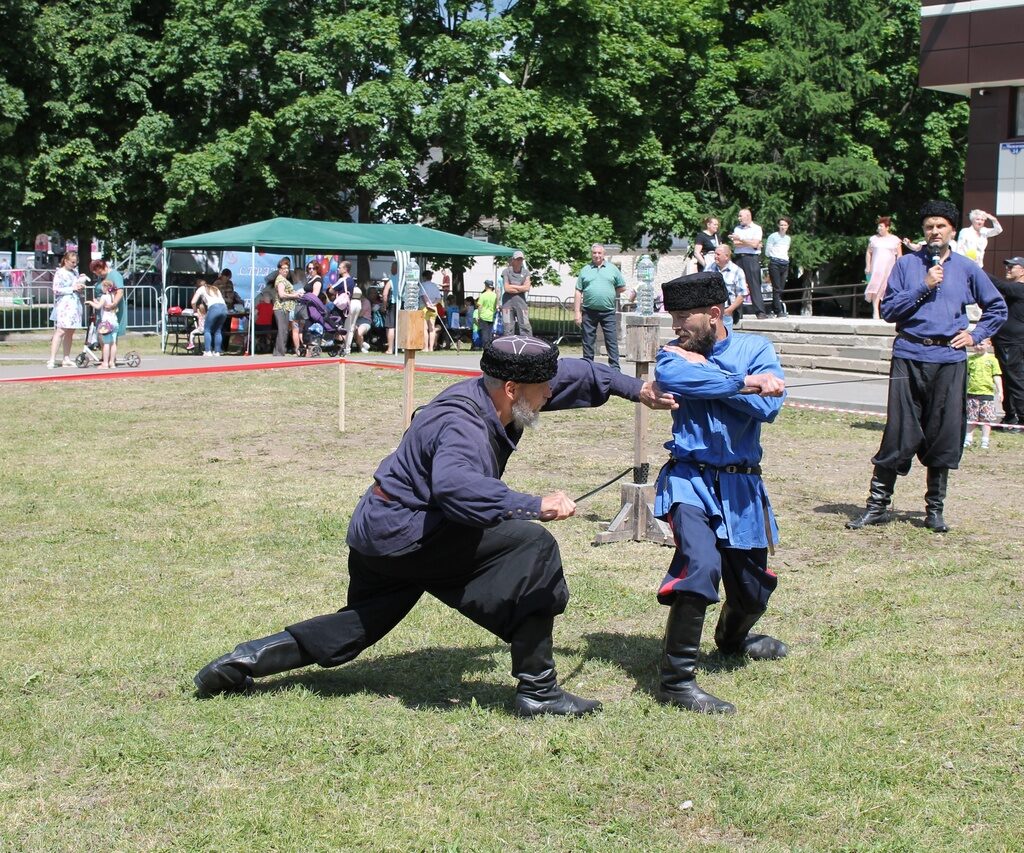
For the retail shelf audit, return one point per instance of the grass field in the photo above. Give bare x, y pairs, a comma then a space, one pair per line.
150, 525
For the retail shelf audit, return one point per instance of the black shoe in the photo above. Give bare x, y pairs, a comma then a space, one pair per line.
733, 637
934, 499
533, 664
762, 316
679, 661
233, 673
883, 481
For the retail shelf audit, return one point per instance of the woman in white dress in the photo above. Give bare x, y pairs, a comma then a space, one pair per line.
67, 308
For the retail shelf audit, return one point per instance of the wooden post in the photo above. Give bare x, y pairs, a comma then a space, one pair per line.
341, 395
635, 519
412, 338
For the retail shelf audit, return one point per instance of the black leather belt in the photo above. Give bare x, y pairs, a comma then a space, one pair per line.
928, 342
723, 469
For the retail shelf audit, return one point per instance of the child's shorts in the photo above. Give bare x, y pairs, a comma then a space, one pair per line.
109, 339
981, 409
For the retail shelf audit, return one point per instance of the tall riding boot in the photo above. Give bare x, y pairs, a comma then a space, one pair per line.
883, 481
934, 498
679, 662
733, 637
234, 672
533, 664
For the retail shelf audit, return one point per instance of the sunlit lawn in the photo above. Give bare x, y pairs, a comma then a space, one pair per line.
150, 525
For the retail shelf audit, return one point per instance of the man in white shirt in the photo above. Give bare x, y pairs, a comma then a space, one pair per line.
746, 241
735, 284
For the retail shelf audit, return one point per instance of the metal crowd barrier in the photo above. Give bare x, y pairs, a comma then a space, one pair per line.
26, 300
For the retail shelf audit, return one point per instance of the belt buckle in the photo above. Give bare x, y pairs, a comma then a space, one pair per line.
731, 469
929, 342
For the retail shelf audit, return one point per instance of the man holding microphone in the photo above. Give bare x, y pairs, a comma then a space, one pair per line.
927, 297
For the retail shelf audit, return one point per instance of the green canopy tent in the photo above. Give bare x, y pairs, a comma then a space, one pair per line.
305, 234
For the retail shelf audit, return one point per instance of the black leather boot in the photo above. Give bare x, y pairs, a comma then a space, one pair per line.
679, 662
733, 637
934, 499
534, 665
233, 673
883, 481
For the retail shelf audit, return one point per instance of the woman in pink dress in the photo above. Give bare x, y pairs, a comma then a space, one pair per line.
883, 250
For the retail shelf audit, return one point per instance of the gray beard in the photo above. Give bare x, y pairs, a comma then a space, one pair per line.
523, 416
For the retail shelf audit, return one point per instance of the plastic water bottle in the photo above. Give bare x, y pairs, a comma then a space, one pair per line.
645, 286
411, 297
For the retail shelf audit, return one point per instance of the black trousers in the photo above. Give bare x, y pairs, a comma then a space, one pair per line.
927, 415
1011, 362
778, 272
498, 577
751, 266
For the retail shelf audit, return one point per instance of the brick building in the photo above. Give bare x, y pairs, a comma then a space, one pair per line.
975, 48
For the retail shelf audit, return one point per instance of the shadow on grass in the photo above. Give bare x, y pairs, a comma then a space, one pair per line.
424, 678
852, 511
870, 426
639, 656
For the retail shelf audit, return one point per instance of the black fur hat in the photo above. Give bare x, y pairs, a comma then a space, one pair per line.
518, 358
694, 291
947, 211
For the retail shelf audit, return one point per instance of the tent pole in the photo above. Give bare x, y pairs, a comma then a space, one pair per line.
252, 303
163, 299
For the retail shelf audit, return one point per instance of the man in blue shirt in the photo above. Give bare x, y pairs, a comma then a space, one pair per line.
439, 519
710, 491
597, 294
927, 298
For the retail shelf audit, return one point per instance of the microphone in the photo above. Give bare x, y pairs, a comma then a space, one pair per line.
936, 261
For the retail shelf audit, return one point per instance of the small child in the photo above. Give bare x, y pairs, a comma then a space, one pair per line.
107, 325
197, 332
984, 381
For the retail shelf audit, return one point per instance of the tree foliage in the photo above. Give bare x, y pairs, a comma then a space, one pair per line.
551, 123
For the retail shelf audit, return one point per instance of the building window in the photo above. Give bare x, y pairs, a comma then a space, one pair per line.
1018, 113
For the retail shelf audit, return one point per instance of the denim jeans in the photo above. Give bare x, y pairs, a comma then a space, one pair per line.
215, 317
609, 323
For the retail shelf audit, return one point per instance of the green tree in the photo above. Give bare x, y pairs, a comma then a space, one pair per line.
93, 97
791, 145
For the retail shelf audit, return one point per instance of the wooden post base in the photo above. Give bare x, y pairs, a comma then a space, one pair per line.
635, 520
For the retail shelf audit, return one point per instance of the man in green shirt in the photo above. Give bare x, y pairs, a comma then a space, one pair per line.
486, 306
597, 292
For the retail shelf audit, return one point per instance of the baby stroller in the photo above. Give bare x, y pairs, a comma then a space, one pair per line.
321, 327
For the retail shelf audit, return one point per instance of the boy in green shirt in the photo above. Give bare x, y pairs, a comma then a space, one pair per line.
984, 381
486, 306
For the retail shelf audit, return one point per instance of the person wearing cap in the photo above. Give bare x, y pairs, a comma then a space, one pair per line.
515, 284
927, 298
486, 308
597, 292
439, 519
710, 491
1009, 341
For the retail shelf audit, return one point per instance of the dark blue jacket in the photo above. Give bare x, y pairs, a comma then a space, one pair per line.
940, 312
449, 463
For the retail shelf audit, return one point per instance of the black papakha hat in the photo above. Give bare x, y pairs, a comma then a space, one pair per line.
949, 212
699, 290
518, 358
